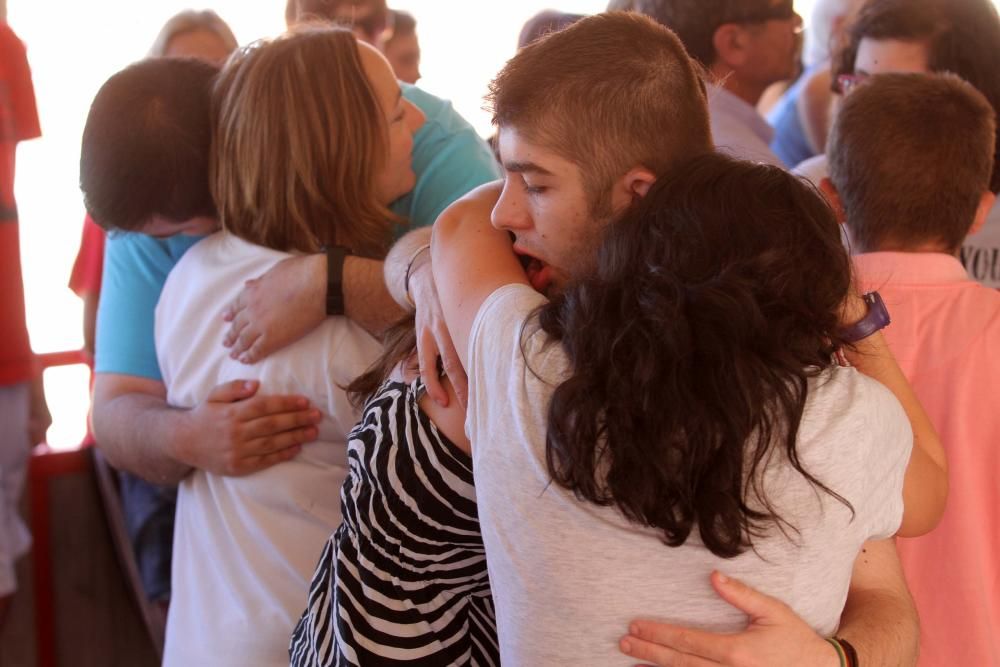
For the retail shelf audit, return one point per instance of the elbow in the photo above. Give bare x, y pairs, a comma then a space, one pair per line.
924, 506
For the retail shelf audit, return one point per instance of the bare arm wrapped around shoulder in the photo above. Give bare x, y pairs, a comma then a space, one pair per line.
470, 260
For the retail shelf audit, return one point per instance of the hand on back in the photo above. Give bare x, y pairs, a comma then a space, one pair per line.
277, 308
775, 637
236, 432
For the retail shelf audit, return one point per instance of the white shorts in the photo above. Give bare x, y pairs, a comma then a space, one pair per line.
15, 540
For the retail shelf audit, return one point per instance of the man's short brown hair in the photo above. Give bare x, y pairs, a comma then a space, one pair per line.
694, 21
911, 156
608, 93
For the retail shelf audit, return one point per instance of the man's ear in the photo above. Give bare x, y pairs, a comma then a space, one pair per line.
832, 197
638, 181
729, 41
633, 184
986, 202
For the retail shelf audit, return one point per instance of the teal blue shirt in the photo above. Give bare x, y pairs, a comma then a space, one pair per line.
449, 159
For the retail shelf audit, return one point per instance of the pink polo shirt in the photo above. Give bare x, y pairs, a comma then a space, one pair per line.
945, 332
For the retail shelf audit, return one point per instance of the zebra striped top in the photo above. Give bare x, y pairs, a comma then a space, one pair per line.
403, 580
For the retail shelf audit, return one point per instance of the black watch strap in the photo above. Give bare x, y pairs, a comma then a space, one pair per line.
335, 256
876, 319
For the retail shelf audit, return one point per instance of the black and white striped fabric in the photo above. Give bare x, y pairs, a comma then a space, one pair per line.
403, 580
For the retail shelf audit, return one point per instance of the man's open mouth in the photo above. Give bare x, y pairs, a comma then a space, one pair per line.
539, 273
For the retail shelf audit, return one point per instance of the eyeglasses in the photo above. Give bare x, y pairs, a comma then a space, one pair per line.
781, 11
846, 83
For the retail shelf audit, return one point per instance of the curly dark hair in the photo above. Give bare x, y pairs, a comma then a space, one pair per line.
716, 299
962, 37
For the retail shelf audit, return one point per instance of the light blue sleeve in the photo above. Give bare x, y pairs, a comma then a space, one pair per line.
449, 160
135, 270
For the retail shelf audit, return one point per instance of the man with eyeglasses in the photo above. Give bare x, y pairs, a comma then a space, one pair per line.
745, 45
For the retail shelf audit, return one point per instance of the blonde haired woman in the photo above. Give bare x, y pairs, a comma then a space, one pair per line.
311, 143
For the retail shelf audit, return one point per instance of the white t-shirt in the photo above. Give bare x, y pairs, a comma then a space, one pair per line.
245, 547
568, 576
980, 254
738, 129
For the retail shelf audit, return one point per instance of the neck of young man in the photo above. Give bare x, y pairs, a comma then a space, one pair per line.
912, 247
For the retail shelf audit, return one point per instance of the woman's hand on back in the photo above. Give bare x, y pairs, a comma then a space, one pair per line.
277, 308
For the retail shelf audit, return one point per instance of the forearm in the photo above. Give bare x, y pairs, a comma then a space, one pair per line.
880, 621
882, 629
367, 301
140, 433
398, 260
926, 487
874, 359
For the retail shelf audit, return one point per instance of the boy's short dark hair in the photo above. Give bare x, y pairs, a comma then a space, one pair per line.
962, 37
911, 156
146, 144
646, 102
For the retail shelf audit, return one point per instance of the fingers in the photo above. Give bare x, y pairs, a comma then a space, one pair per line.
661, 656
453, 367
711, 647
239, 323
258, 463
257, 351
237, 305
274, 424
231, 310
748, 600
248, 336
262, 406
427, 356
237, 390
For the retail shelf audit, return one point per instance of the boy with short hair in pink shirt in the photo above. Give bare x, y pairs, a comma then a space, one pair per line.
910, 163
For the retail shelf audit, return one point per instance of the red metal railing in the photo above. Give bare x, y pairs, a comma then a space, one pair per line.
46, 464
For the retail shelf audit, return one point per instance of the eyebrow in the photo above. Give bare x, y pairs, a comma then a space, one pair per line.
530, 167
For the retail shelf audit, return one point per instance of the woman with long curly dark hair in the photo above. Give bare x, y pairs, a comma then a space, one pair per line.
678, 407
